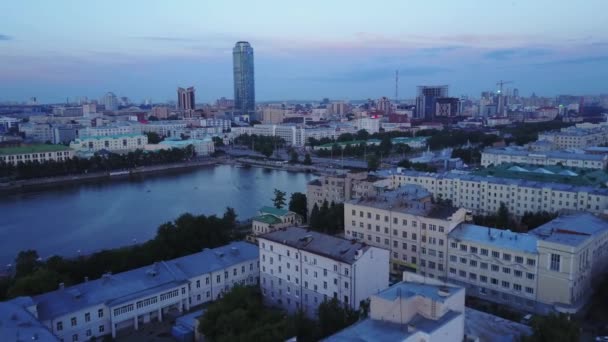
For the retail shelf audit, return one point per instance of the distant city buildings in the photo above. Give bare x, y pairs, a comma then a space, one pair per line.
426, 100
185, 99
244, 82
110, 101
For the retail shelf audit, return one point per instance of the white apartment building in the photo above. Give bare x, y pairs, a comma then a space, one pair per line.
579, 136
300, 269
7, 122
411, 311
113, 143
129, 299
407, 223
110, 130
509, 155
32, 153
552, 268
371, 125
164, 128
483, 195
202, 147
38, 132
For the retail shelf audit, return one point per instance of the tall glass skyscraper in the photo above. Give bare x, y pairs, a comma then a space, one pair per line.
244, 84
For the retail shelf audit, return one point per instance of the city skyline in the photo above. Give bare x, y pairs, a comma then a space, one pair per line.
316, 50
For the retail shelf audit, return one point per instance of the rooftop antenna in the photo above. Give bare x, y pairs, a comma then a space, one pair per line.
396, 86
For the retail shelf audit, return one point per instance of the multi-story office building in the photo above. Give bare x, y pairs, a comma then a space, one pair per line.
110, 101
426, 101
300, 269
202, 147
127, 300
7, 123
411, 311
483, 195
244, 83
270, 219
185, 99
63, 134
551, 268
113, 143
371, 125
164, 128
32, 153
508, 155
447, 107
406, 222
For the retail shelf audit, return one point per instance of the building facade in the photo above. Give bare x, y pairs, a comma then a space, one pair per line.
35, 153
552, 268
406, 222
270, 219
300, 269
244, 82
186, 99
113, 143
130, 299
426, 101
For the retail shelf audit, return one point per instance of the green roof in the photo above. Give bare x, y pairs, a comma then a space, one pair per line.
546, 173
270, 219
115, 136
40, 148
274, 211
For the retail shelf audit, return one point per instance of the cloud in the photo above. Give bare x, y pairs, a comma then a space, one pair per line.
506, 54
580, 60
166, 39
4, 37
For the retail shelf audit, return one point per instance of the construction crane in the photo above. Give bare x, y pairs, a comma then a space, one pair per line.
501, 102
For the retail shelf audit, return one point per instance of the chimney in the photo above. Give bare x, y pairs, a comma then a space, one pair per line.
61, 286
86, 279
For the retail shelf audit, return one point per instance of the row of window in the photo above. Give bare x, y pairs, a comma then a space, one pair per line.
404, 222
88, 333
484, 279
495, 254
74, 320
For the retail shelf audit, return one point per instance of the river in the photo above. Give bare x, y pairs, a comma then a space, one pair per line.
84, 218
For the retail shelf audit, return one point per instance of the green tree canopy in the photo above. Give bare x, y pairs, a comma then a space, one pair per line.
297, 204
279, 198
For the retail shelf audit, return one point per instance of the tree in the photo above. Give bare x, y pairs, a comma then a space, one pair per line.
315, 217
362, 134
553, 328
279, 199
373, 162
333, 317
294, 157
297, 204
307, 160
26, 263
502, 219
152, 118
218, 142
153, 137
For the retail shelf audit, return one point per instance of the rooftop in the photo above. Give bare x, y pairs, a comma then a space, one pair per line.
518, 181
409, 199
122, 287
33, 149
408, 289
352, 142
572, 230
18, 324
273, 211
519, 151
495, 237
269, 219
374, 330
488, 327
314, 242
114, 136
547, 174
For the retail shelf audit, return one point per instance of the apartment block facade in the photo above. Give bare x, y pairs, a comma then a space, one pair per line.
406, 222
113, 143
508, 155
300, 269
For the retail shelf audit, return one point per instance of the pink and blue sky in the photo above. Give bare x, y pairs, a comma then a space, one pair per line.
303, 49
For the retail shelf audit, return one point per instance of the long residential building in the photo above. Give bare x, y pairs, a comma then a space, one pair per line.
112, 143
484, 194
552, 268
406, 222
35, 153
301, 268
110, 130
127, 300
579, 136
509, 155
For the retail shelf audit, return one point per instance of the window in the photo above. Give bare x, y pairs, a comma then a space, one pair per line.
74, 321
463, 248
519, 259
506, 257
452, 270
100, 313
463, 260
483, 265
531, 262
484, 251
529, 290
75, 336
59, 326
506, 270
517, 287
483, 279
87, 317
88, 333
473, 250
453, 244
530, 276
494, 281
505, 284
517, 273
462, 274
102, 328
555, 262
495, 268
495, 254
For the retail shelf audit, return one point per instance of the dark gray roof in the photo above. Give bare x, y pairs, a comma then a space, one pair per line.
314, 242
